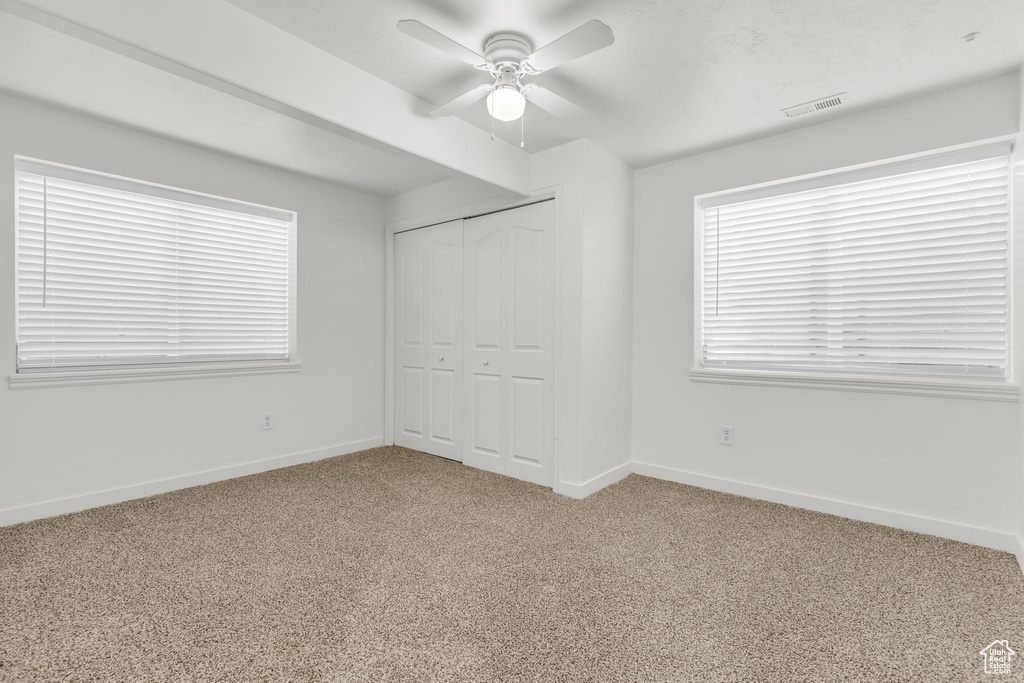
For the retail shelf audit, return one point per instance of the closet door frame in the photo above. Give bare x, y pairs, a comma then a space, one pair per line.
464, 212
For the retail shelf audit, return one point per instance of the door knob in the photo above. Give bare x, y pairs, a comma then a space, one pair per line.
440, 359
487, 362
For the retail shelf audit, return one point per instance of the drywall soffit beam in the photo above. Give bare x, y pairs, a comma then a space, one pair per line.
219, 45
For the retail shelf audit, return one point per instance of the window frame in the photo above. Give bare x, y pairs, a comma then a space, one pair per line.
1004, 391
162, 372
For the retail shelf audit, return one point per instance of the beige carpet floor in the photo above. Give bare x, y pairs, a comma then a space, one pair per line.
391, 565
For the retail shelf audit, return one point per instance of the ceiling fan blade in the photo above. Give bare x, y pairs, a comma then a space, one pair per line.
590, 37
552, 103
463, 100
431, 37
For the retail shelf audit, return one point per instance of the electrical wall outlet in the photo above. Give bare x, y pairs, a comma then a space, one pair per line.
267, 422
727, 435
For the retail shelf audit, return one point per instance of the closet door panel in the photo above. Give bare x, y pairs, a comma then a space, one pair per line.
428, 339
485, 345
509, 294
485, 419
527, 417
409, 268
442, 406
411, 418
445, 282
488, 290
527, 277
410, 256
530, 359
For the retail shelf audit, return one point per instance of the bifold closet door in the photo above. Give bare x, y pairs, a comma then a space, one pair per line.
428, 339
509, 355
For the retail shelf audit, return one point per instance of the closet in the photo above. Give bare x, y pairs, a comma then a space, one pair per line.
475, 341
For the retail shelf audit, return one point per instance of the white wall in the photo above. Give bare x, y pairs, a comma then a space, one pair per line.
69, 443
1018, 312
562, 167
607, 391
595, 191
934, 462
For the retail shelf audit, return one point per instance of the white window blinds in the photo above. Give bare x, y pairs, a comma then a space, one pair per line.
894, 270
114, 273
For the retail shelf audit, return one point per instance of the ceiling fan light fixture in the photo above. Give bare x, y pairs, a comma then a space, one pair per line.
506, 103
508, 57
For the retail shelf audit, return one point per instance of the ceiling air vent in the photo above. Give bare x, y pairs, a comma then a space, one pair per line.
816, 105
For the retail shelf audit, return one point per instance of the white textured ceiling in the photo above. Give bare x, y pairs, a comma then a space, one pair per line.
683, 75
210, 73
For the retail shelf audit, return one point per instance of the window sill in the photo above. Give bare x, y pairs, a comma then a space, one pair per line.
38, 380
980, 391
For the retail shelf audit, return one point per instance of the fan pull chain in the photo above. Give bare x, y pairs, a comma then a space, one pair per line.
492, 126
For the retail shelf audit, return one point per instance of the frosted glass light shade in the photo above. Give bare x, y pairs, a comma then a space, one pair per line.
506, 103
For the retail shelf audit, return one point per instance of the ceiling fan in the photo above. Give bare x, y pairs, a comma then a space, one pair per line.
508, 57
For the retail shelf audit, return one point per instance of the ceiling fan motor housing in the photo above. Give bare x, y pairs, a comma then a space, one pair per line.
507, 48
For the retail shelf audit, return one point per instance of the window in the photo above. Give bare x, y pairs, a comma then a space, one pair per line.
896, 270
114, 273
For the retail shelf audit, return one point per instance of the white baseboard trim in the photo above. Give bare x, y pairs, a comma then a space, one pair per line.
988, 538
61, 506
597, 483
1020, 552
